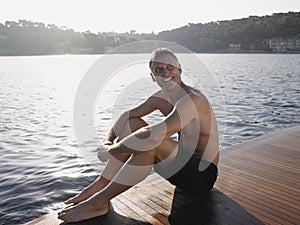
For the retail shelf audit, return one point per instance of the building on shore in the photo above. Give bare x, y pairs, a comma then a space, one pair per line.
284, 44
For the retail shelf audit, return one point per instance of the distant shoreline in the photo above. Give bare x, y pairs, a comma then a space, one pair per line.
277, 33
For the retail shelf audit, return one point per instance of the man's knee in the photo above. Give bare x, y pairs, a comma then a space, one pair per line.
136, 123
132, 125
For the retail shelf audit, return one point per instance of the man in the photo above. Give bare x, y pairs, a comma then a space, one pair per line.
132, 147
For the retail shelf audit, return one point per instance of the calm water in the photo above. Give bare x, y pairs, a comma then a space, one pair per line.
40, 162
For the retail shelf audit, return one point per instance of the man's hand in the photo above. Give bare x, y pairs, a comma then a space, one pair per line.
103, 153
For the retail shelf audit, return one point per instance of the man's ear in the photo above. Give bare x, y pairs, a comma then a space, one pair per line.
179, 68
153, 77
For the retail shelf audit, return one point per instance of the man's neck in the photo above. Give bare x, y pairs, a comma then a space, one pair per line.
177, 93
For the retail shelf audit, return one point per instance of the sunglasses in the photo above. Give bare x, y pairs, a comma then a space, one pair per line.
161, 70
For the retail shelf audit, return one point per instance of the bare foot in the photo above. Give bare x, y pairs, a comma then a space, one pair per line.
83, 211
95, 187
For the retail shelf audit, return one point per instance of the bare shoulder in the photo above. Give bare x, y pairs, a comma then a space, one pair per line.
198, 98
205, 112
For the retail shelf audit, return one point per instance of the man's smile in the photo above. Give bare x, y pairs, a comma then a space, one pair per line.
168, 79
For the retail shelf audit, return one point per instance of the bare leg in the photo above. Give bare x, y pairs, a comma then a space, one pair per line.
135, 170
119, 178
98, 184
112, 167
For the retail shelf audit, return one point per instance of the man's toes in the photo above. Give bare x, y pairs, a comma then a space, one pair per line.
60, 215
71, 200
68, 207
65, 217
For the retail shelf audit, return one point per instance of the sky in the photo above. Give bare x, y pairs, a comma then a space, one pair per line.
139, 15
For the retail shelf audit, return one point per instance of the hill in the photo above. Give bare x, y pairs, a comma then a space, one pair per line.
279, 32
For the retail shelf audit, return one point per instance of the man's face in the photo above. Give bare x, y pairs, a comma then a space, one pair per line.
166, 72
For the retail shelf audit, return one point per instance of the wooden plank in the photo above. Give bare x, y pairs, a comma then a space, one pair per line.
129, 215
214, 208
263, 205
264, 191
49, 219
258, 183
273, 175
247, 168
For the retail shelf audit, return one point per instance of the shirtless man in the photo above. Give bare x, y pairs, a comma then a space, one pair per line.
132, 147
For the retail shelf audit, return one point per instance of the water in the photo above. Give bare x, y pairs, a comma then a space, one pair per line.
40, 162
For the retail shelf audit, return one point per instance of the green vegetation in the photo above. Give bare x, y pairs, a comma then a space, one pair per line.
248, 34
279, 32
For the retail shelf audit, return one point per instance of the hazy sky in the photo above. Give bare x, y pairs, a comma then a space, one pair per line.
139, 15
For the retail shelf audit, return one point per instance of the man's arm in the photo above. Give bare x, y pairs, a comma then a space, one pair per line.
145, 108
148, 138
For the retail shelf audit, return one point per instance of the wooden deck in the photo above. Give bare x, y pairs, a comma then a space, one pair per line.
258, 183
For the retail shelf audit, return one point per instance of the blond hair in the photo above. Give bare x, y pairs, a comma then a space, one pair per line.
156, 53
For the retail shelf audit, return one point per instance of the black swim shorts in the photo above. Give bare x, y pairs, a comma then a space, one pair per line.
188, 172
